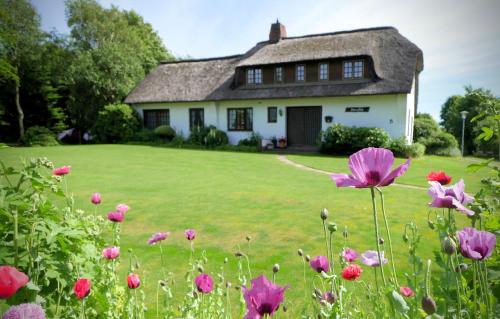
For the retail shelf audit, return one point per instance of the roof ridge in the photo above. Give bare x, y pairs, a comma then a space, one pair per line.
203, 59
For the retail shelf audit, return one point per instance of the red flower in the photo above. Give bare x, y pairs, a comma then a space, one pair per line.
11, 280
61, 170
351, 272
133, 281
439, 177
82, 288
407, 292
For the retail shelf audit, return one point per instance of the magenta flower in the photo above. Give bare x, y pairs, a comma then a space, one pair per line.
122, 208
111, 252
158, 237
319, 264
450, 197
370, 258
475, 244
190, 234
95, 198
263, 299
204, 283
61, 170
407, 292
370, 167
25, 310
116, 217
350, 255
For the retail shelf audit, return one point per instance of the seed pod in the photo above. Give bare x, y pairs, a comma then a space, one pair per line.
200, 269
300, 252
238, 254
449, 246
431, 224
461, 268
226, 260
249, 238
285, 308
332, 227
308, 258
317, 293
405, 238
163, 283
276, 268
429, 305
381, 241
324, 214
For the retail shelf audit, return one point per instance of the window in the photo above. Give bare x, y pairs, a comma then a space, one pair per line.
254, 76
323, 71
300, 73
278, 74
155, 118
250, 76
239, 119
272, 114
196, 118
353, 69
258, 76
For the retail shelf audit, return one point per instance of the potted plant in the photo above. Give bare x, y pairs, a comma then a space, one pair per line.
282, 142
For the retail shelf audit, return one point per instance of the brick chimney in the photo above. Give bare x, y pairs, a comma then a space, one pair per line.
277, 32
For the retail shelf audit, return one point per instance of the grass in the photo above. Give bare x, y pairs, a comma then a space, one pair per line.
226, 196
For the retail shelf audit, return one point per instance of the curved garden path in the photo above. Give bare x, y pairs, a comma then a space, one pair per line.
287, 161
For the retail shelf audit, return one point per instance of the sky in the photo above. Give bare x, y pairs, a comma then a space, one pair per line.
460, 39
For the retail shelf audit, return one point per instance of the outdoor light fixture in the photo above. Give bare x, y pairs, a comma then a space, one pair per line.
464, 116
280, 112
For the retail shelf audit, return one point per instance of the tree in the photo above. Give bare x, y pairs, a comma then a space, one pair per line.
20, 36
114, 49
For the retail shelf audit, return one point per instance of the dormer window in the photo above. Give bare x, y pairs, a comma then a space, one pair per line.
353, 69
323, 71
278, 74
300, 73
254, 76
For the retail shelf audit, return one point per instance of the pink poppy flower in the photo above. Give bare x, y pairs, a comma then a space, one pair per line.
370, 258
204, 283
25, 310
82, 288
116, 217
450, 197
319, 264
11, 280
475, 244
122, 208
61, 170
351, 272
158, 237
407, 292
263, 299
111, 252
370, 167
190, 234
350, 255
133, 281
329, 297
95, 199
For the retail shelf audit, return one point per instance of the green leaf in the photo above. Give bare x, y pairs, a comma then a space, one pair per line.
477, 166
486, 134
399, 303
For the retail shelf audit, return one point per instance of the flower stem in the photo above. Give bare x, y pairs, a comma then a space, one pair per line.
326, 242
375, 219
16, 234
394, 274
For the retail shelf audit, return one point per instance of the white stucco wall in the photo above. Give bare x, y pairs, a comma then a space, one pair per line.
390, 112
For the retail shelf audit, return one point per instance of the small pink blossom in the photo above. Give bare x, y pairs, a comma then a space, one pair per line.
319, 264
350, 255
133, 281
61, 170
116, 217
204, 283
407, 292
111, 252
123, 208
158, 237
95, 198
190, 234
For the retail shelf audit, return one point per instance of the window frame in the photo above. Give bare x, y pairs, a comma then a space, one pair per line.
327, 71
155, 112
259, 71
248, 73
280, 79
297, 73
352, 64
191, 111
246, 129
275, 109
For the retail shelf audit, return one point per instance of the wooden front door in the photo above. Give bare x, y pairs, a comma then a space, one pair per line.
303, 125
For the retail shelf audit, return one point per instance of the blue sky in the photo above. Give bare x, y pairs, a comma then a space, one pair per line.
460, 39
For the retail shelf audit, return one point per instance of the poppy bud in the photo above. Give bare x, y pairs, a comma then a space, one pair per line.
308, 258
431, 224
163, 283
276, 268
429, 305
405, 238
226, 260
300, 252
237, 287
228, 284
285, 308
317, 293
345, 233
381, 241
461, 267
238, 254
449, 246
324, 214
332, 227
200, 269
249, 238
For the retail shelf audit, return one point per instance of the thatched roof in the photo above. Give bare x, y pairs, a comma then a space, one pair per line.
396, 60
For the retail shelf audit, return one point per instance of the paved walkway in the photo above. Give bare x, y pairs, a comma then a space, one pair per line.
287, 161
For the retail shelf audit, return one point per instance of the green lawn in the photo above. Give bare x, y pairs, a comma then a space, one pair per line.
226, 196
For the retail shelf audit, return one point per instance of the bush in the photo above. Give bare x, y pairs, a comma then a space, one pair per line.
439, 143
216, 137
165, 132
144, 135
116, 123
401, 149
254, 139
424, 127
340, 139
452, 151
39, 136
198, 135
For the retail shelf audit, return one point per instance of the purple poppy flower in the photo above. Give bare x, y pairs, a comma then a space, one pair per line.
370, 258
350, 255
25, 310
475, 244
123, 208
204, 283
190, 234
319, 264
263, 299
111, 253
116, 217
158, 237
450, 197
370, 167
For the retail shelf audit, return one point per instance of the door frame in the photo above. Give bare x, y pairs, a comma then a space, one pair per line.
301, 106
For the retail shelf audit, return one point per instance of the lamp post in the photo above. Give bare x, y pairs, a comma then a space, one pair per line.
464, 115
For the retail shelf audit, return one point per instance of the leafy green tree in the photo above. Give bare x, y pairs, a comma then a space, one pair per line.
425, 126
115, 49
